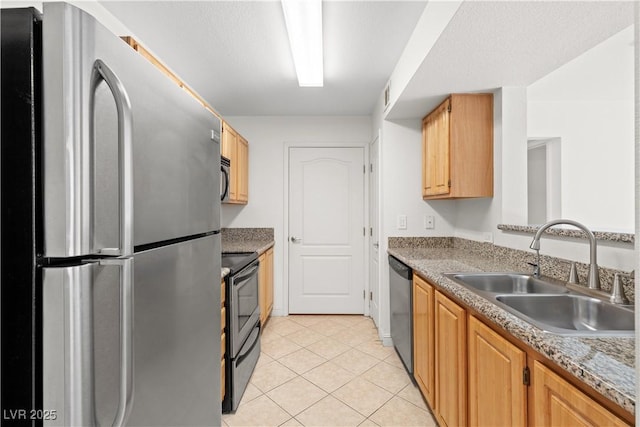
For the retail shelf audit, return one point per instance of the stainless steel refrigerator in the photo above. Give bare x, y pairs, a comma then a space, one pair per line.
110, 212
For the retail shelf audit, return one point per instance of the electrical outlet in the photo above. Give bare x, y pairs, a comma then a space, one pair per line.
402, 222
429, 222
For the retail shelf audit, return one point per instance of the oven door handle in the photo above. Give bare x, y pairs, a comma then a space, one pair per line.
255, 336
247, 274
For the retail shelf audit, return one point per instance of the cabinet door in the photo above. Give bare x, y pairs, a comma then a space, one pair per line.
262, 287
230, 151
497, 394
558, 403
423, 339
451, 362
269, 297
227, 141
242, 174
436, 137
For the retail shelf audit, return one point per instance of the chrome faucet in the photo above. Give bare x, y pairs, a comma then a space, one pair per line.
594, 276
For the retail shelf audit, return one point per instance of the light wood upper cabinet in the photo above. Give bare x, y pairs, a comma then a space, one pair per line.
435, 128
423, 338
558, 403
242, 177
229, 141
135, 45
265, 285
497, 393
457, 148
451, 362
269, 298
236, 148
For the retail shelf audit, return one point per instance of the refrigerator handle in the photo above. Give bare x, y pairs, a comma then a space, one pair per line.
125, 153
126, 338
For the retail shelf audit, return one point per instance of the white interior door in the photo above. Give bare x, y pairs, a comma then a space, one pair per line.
326, 230
374, 250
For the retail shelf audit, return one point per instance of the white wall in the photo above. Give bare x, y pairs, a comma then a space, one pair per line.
401, 155
478, 219
401, 169
475, 219
401, 193
588, 103
267, 173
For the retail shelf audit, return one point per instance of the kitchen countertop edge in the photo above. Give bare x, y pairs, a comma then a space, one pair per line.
259, 246
431, 263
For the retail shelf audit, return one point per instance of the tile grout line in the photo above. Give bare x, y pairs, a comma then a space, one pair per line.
344, 328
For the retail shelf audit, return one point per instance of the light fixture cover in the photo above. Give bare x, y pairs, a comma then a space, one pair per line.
304, 27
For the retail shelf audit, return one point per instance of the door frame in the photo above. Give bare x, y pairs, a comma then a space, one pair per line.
377, 137
554, 173
285, 226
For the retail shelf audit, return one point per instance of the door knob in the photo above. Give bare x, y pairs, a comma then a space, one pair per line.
295, 239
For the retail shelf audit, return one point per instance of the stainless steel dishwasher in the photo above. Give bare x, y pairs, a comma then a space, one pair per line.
401, 303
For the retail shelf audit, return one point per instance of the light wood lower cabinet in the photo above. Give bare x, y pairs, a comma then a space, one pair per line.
470, 374
497, 393
265, 285
269, 290
451, 362
423, 338
558, 403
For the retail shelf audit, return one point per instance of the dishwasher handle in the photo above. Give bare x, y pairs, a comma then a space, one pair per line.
400, 268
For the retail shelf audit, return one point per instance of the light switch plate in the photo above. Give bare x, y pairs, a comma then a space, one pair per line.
402, 222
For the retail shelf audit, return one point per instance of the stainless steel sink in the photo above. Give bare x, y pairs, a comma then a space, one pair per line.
571, 314
549, 306
506, 283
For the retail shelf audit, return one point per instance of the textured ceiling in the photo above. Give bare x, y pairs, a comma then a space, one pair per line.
488, 45
236, 53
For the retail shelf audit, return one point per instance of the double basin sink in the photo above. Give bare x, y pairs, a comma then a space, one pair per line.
549, 306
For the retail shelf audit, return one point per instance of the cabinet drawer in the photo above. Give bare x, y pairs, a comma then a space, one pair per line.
223, 321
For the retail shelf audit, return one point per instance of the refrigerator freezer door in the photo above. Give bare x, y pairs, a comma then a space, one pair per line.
89, 314
88, 343
175, 160
177, 339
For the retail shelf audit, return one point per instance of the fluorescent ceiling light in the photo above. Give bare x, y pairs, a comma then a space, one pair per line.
304, 26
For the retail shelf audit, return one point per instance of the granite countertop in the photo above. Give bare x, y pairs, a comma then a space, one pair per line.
247, 240
258, 245
605, 364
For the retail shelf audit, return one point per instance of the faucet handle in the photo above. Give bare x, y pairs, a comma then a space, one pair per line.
617, 291
573, 274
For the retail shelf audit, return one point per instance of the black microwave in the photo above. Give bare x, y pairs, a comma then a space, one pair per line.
225, 167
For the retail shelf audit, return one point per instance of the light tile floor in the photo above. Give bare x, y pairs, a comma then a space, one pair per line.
328, 370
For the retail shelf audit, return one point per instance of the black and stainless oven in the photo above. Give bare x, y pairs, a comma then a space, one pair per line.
244, 305
243, 323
